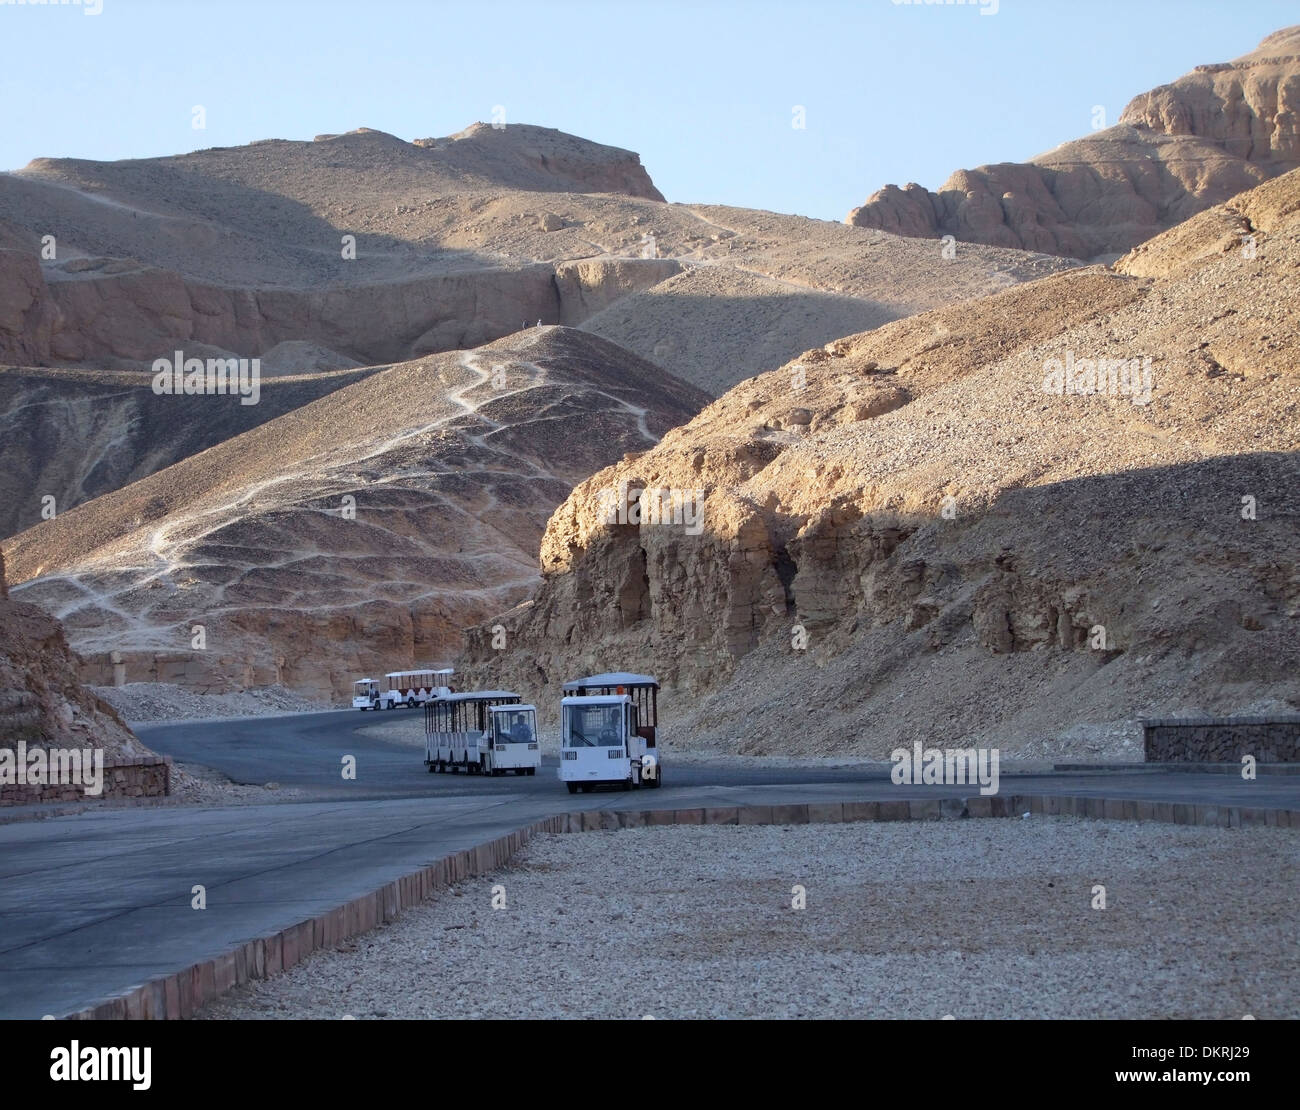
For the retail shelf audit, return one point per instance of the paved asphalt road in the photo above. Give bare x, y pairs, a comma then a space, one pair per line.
93, 904
306, 751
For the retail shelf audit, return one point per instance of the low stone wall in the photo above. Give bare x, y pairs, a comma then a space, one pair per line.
1222, 739
210, 672
143, 777
202, 672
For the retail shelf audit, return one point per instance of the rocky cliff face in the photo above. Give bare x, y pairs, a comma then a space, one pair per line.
913, 534
1175, 151
119, 314
42, 701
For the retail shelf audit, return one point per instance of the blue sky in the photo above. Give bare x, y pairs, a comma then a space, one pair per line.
705, 91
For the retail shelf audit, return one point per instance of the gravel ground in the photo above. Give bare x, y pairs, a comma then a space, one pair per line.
141, 702
201, 785
977, 919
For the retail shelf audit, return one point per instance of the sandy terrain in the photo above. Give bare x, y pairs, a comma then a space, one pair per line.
977, 919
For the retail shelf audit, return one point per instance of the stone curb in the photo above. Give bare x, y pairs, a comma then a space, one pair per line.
181, 994
1218, 722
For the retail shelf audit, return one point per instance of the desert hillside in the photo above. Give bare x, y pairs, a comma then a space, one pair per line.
1175, 151
380, 378
353, 534
375, 250
937, 530
74, 434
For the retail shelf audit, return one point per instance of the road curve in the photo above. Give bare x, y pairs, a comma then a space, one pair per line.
93, 904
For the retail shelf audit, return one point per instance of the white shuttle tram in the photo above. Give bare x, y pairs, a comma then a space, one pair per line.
413, 688
487, 732
402, 688
512, 740
608, 726
367, 695
363, 692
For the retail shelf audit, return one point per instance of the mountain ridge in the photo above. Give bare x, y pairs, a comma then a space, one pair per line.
1176, 150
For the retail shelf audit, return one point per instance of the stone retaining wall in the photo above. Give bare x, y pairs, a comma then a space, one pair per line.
143, 777
179, 995
202, 672
1222, 739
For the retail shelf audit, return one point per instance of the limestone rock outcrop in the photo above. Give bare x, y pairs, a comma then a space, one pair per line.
42, 701
543, 159
1175, 151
